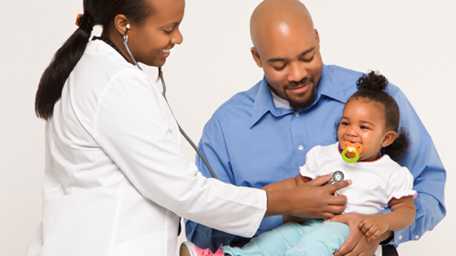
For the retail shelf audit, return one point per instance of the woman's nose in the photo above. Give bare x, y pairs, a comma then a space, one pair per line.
177, 37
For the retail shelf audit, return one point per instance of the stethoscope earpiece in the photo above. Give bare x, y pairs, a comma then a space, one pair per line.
127, 28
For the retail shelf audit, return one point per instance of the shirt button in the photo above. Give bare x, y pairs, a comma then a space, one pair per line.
417, 237
400, 238
300, 147
296, 114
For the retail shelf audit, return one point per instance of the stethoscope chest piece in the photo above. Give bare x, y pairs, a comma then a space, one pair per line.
337, 176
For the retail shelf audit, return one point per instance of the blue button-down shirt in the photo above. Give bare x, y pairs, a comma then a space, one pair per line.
250, 141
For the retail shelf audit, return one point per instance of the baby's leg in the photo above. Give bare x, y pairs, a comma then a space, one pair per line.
323, 240
272, 243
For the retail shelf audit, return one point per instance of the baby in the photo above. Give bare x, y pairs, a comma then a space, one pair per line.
369, 144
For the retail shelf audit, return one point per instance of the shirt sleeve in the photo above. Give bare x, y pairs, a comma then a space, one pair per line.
214, 147
136, 130
400, 184
428, 171
310, 168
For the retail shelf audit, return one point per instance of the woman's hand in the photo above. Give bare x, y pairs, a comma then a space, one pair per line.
318, 199
313, 199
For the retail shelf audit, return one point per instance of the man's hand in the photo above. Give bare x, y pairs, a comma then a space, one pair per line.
356, 243
362, 247
317, 199
373, 227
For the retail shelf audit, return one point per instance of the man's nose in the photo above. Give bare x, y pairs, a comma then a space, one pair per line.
296, 72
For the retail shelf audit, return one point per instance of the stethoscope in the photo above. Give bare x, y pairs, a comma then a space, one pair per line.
212, 172
336, 176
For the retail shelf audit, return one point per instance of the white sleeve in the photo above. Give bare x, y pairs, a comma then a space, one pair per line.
136, 130
310, 168
400, 184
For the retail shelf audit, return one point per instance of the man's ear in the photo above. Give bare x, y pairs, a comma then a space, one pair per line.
389, 138
256, 57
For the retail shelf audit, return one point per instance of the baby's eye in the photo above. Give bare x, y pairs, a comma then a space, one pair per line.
364, 127
344, 123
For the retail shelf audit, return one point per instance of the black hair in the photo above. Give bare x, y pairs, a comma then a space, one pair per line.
372, 86
96, 12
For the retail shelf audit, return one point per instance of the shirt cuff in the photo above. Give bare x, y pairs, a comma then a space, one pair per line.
260, 214
399, 237
269, 223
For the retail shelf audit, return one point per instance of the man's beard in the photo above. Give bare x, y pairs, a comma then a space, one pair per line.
306, 81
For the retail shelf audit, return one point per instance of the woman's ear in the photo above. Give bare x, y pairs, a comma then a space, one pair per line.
121, 24
389, 138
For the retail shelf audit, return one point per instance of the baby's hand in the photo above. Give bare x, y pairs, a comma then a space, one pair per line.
373, 227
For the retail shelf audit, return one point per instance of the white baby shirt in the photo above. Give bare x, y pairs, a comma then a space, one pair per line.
374, 183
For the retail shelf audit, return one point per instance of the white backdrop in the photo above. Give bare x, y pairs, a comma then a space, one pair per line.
411, 42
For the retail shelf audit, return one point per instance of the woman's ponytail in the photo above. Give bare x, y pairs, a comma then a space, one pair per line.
96, 12
65, 59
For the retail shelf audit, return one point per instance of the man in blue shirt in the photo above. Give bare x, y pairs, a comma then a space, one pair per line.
261, 136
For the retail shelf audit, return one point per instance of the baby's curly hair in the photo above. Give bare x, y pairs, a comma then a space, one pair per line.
372, 86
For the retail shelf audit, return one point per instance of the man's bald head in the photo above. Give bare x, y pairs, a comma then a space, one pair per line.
287, 47
278, 16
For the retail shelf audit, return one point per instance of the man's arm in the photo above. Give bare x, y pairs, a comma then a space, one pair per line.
429, 174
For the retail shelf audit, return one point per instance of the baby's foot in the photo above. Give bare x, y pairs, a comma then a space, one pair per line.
189, 249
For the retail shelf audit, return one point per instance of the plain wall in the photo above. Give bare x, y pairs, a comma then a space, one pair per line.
411, 42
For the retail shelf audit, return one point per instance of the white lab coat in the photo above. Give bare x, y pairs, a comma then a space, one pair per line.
115, 176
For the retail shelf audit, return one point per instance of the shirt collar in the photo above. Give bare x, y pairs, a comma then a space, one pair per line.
280, 102
329, 87
101, 46
266, 101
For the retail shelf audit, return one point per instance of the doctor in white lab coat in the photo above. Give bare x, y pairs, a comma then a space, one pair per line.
115, 177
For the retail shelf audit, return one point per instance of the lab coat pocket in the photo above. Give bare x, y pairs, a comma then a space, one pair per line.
79, 223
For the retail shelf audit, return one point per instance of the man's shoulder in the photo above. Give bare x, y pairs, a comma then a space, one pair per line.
347, 78
239, 106
342, 75
340, 71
